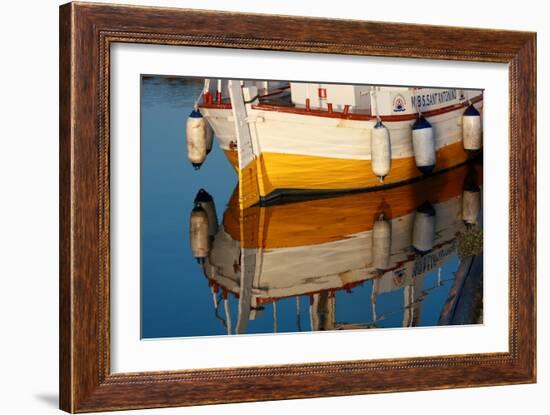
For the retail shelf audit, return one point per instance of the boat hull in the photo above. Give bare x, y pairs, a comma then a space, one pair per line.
296, 152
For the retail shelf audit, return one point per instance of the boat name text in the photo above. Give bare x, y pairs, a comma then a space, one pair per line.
426, 100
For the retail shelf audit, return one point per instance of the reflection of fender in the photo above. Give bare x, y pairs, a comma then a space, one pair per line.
205, 201
464, 303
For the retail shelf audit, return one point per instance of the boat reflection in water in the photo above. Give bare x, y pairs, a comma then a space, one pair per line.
322, 249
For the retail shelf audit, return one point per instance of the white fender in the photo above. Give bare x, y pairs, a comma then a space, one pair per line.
424, 228
381, 243
380, 147
471, 129
423, 145
198, 234
196, 139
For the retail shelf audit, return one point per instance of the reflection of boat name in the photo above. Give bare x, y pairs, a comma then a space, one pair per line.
429, 261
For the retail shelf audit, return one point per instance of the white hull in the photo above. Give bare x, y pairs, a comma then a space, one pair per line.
289, 133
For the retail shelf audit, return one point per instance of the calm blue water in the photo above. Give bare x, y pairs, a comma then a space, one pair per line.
175, 296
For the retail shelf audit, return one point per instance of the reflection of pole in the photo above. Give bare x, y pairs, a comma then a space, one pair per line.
408, 312
332, 310
413, 302
418, 299
274, 317
248, 267
227, 315
439, 277
315, 317
214, 298
325, 311
321, 311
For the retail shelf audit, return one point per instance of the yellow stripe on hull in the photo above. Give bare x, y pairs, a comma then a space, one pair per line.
273, 171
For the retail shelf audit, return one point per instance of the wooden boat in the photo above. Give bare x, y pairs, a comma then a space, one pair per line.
305, 138
317, 247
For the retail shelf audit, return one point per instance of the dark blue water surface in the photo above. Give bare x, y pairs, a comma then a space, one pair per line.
175, 296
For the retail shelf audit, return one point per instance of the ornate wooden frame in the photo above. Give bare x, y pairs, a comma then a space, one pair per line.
86, 33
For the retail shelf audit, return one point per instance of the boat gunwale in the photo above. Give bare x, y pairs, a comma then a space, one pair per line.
349, 116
